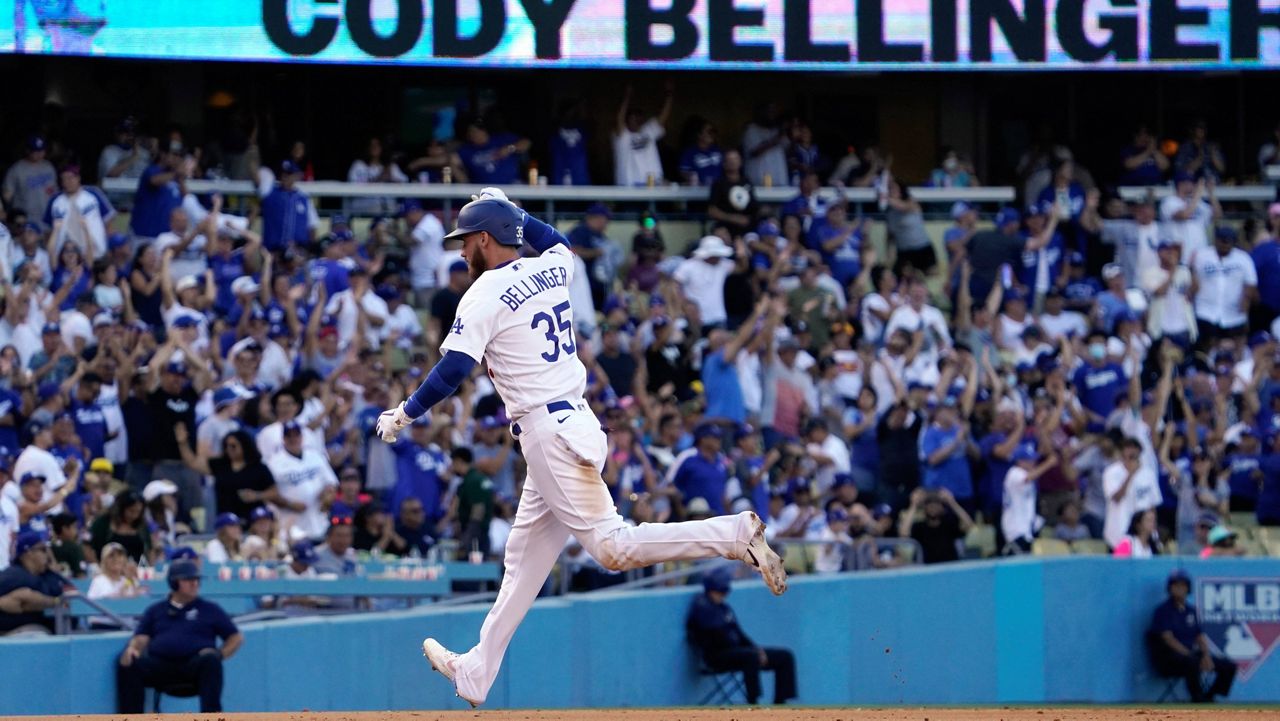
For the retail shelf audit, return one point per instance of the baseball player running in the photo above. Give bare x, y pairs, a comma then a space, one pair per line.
517, 316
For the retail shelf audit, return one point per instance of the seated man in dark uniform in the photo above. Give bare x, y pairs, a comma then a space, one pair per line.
28, 587
714, 630
1180, 648
176, 641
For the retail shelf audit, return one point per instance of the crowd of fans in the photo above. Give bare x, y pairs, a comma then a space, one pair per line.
218, 372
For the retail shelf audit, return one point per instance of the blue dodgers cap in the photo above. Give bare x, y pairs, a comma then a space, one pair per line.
1007, 215
718, 579
26, 541
181, 553
706, 430
598, 209
226, 519
768, 228
186, 320
339, 219
837, 514
31, 477
288, 167
1178, 575
51, 328
1225, 233
1026, 452
1259, 338
35, 142
881, 510
458, 266
183, 570
660, 321
488, 422
177, 368
1076, 258
407, 206
842, 479
260, 513
291, 427
959, 208
422, 421
386, 291
1183, 176
499, 218
47, 391
1167, 241
117, 240
225, 396
303, 552
278, 330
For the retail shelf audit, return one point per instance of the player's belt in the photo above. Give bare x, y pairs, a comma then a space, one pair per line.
552, 407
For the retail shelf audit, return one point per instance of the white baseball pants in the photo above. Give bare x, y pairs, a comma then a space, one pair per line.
564, 494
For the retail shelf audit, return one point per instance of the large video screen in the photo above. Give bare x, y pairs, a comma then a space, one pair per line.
834, 35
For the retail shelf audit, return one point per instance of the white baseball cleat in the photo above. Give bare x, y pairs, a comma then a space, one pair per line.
762, 558
442, 662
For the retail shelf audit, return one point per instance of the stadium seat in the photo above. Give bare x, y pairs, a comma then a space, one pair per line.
1090, 547
981, 539
1252, 548
1267, 533
1243, 519
1050, 547
797, 558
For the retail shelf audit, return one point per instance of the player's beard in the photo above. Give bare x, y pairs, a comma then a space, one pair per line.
476, 265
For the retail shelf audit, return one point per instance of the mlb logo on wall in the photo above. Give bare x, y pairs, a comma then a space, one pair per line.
1241, 617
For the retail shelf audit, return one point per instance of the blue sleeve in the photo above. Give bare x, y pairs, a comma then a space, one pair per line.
443, 380
541, 235
105, 208
929, 442
47, 219
686, 161
147, 624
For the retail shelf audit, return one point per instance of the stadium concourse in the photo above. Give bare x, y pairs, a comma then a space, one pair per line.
1003, 713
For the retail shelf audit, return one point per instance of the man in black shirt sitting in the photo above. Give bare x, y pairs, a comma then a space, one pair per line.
28, 587
176, 641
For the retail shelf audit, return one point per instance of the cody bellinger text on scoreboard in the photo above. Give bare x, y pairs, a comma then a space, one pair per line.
838, 35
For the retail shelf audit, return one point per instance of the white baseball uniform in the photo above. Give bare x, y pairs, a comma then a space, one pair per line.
517, 316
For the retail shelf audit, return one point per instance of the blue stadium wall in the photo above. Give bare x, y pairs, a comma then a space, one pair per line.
1027, 631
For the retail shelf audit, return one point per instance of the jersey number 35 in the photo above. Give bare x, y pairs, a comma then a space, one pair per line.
562, 323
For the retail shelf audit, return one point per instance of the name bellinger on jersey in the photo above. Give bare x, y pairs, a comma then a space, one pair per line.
526, 288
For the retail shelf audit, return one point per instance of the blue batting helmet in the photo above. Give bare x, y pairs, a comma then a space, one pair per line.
499, 218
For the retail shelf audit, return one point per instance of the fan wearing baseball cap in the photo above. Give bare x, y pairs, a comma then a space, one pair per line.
176, 641
29, 586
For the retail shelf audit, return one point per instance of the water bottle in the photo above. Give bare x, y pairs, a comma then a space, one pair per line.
446, 174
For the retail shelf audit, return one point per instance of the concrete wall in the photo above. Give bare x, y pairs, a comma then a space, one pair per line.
1027, 631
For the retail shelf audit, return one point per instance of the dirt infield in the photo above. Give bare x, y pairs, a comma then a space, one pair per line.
739, 713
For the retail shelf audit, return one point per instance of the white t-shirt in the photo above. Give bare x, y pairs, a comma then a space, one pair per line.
188, 261
703, 283
84, 219
1192, 233
872, 326
447, 258
114, 153
750, 379
838, 452
343, 306
635, 155
216, 552
1138, 497
1169, 313
103, 587
404, 321
362, 172
1019, 517
75, 324
116, 450
1222, 283
301, 480
8, 528
1066, 323
936, 335
275, 369
37, 460
519, 319
830, 556
1148, 251
428, 249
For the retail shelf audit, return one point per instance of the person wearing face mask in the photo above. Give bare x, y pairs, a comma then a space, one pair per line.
1098, 382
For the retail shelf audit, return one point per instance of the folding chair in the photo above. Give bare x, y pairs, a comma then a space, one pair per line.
727, 687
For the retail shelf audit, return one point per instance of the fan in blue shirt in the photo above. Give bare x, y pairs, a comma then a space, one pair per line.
702, 472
